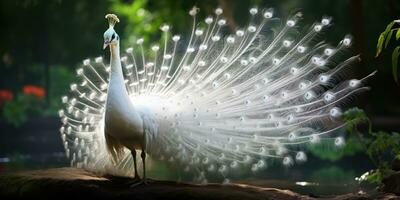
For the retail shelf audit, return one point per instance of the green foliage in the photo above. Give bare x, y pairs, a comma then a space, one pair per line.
381, 147
382, 37
383, 143
143, 18
24, 106
375, 177
383, 42
395, 58
327, 150
353, 117
140, 22
16, 112
60, 78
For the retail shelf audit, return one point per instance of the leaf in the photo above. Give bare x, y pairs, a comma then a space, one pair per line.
382, 38
388, 37
398, 34
389, 27
375, 177
395, 59
353, 117
380, 44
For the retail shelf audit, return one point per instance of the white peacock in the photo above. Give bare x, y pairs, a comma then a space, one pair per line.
212, 106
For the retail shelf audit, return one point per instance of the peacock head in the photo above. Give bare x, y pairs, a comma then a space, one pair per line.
111, 37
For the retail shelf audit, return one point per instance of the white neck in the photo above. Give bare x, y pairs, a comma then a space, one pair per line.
117, 93
117, 82
116, 68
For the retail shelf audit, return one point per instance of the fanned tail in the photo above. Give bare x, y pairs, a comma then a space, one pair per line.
224, 103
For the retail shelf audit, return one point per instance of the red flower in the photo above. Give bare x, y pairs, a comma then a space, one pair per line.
34, 90
6, 95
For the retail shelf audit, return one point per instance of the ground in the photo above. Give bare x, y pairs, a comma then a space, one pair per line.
78, 183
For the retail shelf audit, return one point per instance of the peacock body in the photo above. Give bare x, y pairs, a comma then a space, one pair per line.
213, 105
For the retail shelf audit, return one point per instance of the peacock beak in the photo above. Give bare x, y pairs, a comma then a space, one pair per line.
106, 43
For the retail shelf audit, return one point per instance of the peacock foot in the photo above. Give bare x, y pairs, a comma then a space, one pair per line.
134, 180
141, 182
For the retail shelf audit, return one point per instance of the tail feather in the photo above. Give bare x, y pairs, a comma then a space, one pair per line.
225, 103
115, 148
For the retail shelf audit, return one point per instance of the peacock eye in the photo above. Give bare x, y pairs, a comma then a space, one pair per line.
113, 36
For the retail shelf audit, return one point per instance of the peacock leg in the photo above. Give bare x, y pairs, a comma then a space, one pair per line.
136, 178
143, 155
134, 164
143, 180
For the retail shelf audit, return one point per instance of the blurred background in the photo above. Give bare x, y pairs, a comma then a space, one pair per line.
43, 42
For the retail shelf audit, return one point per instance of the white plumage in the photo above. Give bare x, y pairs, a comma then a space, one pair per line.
214, 105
